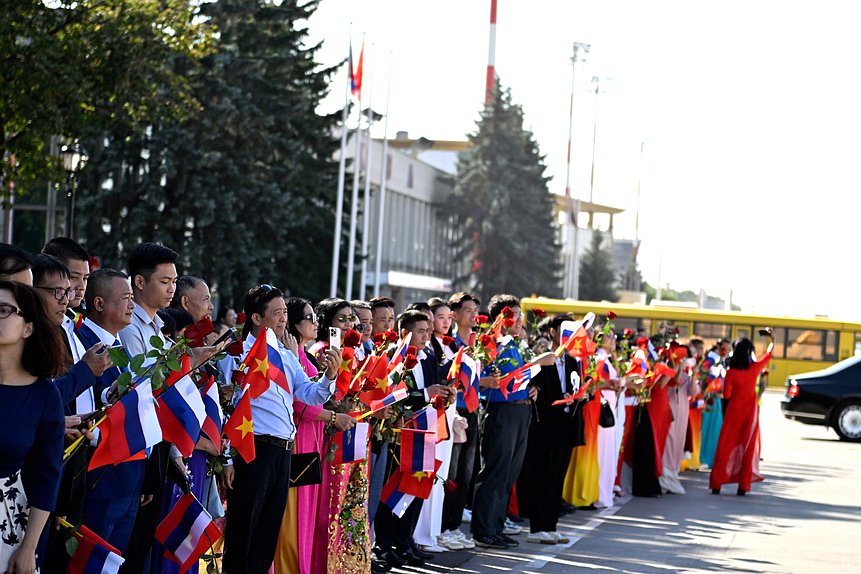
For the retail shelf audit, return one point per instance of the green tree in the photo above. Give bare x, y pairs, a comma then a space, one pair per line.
597, 274
245, 190
504, 208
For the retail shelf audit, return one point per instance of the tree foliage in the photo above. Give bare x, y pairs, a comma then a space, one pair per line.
597, 271
504, 208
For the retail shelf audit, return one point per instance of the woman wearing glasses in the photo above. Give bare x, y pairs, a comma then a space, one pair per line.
31, 352
298, 537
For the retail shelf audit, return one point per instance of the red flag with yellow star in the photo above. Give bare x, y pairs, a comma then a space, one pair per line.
419, 484
264, 364
240, 428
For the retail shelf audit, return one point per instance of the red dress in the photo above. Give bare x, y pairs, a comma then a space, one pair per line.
737, 456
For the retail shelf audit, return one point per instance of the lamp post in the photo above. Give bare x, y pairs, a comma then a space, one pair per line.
74, 158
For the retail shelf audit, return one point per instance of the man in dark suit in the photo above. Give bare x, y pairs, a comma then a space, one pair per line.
113, 492
553, 433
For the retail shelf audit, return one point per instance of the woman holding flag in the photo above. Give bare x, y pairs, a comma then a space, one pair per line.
31, 352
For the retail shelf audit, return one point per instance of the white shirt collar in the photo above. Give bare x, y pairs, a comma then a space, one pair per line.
102, 334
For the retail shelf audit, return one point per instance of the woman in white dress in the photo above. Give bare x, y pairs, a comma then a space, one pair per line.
607, 451
678, 392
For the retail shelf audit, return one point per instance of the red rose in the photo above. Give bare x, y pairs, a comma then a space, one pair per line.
379, 339
507, 312
196, 333
611, 315
482, 319
643, 341
391, 336
628, 333
235, 349
352, 338
410, 362
508, 323
438, 402
240, 319
485, 340
412, 351
447, 341
539, 312
449, 486
677, 331
238, 378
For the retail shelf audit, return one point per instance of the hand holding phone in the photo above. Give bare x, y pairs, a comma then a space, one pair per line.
766, 332
334, 337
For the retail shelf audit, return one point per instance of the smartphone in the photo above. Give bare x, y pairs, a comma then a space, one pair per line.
765, 332
334, 337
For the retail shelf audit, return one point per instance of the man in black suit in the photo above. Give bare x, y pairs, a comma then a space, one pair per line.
553, 433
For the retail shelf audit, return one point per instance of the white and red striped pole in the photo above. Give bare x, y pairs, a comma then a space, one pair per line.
491, 57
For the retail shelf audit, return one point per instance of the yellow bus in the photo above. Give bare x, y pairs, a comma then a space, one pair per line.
800, 344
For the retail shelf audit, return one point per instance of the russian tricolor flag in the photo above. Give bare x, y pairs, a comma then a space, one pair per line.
470, 378
352, 444
711, 359
214, 421
187, 532
181, 413
93, 555
392, 496
132, 426
265, 365
418, 451
400, 353
398, 394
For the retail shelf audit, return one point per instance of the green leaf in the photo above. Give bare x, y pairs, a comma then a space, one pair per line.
119, 357
137, 362
173, 364
156, 380
156, 342
154, 354
71, 545
123, 382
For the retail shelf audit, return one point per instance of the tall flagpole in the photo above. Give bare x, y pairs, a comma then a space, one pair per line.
490, 80
339, 204
574, 205
381, 215
367, 199
354, 202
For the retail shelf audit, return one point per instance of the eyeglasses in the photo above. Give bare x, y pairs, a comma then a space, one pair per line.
310, 317
7, 310
265, 287
59, 292
345, 318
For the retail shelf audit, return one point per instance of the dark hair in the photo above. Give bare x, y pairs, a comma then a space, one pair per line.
410, 317
14, 259
66, 250
183, 285
44, 351
741, 352
382, 302
457, 300
553, 322
500, 302
222, 313
296, 314
44, 265
175, 320
98, 283
435, 303
359, 304
256, 301
696, 341
422, 307
147, 256
722, 341
326, 311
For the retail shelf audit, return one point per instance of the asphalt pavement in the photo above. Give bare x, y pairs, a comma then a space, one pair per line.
805, 518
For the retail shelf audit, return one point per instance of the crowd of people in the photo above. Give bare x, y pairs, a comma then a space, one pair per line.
377, 435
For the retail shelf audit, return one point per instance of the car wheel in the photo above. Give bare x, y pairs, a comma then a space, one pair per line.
847, 421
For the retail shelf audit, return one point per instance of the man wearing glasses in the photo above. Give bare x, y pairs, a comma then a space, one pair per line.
364, 326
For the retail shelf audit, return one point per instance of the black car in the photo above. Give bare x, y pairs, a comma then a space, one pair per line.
830, 397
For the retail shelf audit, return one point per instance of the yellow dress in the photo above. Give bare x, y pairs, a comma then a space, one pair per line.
581, 481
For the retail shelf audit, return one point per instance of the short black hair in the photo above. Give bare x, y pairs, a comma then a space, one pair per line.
382, 302
553, 322
147, 256
500, 302
44, 265
359, 304
255, 302
183, 285
175, 320
457, 300
66, 250
14, 259
410, 317
326, 311
97, 285
420, 306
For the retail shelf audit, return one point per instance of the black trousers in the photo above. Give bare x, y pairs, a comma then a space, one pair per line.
393, 532
503, 447
462, 473
255, 507
645, 478
539, 488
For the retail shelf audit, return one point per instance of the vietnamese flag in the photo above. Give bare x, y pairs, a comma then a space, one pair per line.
240, 428
662, 369
264, 364
419, 484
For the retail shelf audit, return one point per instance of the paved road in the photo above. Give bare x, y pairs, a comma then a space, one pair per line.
805, 518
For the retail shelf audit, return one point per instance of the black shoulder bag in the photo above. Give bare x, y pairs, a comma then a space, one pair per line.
306, 468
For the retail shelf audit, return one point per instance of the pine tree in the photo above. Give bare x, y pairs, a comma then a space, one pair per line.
597, 275
504, 209
245, 191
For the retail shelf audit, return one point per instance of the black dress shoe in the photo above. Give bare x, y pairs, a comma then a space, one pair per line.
410, 558
421, 553
741, 492
715, 491
378, 566
393, 559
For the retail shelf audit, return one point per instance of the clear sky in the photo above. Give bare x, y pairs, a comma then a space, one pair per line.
749, 112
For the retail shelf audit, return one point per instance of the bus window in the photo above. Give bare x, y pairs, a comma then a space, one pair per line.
622, 323
711, 332
761, 342
804, 344
683, 327
742, 332
831, 345
858, 342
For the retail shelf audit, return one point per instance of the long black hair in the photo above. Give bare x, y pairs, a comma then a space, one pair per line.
296, 314
44, 351
326, 311
741, 353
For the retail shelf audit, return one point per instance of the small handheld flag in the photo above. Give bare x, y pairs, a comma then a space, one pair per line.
418, 449
352, 444
187, 532
393, 497
214, 421
240, 428
131, 427
94, 555
264, 364
181, 413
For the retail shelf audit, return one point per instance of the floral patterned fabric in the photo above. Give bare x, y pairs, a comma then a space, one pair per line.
14, 513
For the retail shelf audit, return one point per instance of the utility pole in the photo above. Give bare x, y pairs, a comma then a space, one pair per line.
580, 50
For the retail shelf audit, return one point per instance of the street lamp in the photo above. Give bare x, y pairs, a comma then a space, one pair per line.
74, 158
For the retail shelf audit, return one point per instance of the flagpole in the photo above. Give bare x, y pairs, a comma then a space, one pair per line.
381, 215
339, 203
367, 199
354, 202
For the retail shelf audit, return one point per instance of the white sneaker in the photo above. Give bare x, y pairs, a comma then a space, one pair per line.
436, 548
510, 529
462, 539
448, 541
541, 538
467, 516
560, 538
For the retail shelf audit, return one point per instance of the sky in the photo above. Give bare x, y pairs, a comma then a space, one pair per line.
748, 113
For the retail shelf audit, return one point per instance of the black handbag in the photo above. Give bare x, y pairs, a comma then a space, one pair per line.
607, 419
306, 468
